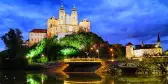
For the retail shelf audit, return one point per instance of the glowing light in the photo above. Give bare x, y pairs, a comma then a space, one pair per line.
97, 51
112, 60
111, 49
83, 60
68, 51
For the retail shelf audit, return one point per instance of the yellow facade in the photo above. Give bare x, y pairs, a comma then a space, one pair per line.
66, 23
129, 51
84, 25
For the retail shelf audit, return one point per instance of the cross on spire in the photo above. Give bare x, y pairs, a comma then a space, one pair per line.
73, 5
62, 5
74, 8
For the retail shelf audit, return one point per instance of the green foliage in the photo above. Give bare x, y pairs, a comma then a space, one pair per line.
42, 59
68, 46
38, 49
119, 51
36, 79
68, 51
81, 40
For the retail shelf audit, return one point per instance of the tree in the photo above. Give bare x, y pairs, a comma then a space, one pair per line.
13, 56
13, 41
81, 40
118, 51
84, 41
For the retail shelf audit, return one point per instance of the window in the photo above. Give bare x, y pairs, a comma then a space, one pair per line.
61, 17
74, 17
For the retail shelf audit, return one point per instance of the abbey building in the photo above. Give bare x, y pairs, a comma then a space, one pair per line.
65, 24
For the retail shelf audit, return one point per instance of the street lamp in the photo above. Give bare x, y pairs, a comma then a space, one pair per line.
112, 54
42, 55
97, 52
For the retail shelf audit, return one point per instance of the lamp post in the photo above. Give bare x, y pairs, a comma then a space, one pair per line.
97, 52
111, 50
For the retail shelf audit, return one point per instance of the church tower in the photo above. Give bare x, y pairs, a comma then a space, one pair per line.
129, 50
51, 26
158, 40
74, 16
62, 15
142, 44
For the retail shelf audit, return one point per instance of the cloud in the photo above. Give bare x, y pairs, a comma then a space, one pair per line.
117, 21
131, 19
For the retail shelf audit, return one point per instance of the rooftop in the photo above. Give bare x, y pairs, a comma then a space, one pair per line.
129, 44
146, 46
39, 31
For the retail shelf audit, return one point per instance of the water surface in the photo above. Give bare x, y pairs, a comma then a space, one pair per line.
36, 77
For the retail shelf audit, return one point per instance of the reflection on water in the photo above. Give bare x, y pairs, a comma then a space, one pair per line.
21, 77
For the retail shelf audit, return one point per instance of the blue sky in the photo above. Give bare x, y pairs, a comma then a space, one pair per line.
116, 21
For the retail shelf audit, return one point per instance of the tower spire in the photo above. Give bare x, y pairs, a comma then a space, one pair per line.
158, 38
73, 5
74, 8
62, 6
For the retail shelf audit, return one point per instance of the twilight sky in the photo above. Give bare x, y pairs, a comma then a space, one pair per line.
116, 21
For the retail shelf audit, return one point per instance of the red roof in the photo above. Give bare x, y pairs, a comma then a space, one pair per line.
129, 44
39, 31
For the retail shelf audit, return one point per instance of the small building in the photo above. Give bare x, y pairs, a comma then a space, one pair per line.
36, 35
143, 49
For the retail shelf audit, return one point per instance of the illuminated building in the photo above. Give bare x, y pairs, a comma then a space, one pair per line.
143, 49
65, 24
36, 35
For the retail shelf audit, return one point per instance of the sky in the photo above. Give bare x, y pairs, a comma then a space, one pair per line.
116, 21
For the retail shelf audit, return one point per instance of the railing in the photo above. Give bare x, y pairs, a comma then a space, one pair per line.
130, 65
82, 60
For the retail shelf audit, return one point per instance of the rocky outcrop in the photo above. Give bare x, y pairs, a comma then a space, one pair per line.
108, 69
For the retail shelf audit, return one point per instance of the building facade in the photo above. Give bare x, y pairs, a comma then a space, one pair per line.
65, 24
36, 35
143, 49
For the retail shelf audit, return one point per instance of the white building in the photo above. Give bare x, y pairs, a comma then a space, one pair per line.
36, 35
143, 49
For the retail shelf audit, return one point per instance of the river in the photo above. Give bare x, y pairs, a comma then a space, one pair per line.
37, 77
